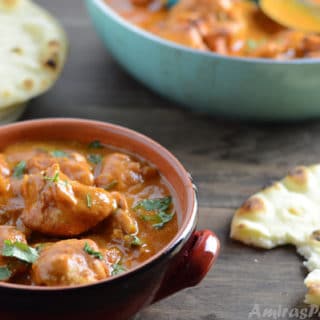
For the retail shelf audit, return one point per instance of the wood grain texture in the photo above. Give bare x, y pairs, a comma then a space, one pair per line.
228, 161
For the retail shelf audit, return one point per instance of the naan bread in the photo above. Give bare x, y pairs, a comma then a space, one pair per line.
288, 212
32, 52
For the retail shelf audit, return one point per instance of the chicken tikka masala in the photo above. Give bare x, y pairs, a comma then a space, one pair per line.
72, 214
227, 27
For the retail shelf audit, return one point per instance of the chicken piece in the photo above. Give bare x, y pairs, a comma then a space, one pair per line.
123, 216
4, 168
77, 168
288, 45
119, 168
39, 162
204, 6
311, 46
56, 205
11, 233
4, 188
269, 50
4, 174
74, 165
315, 54
67, 263
120, 171
187, 35
202, 24
11, 202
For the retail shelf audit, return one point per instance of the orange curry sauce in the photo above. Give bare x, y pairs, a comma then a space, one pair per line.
71, 214
228, 27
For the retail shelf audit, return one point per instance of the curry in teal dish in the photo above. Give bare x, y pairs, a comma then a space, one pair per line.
228, 27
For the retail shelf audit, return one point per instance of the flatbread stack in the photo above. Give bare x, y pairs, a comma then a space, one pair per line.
32, 54
288, 212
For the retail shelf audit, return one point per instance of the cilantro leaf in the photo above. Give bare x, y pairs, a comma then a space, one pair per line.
5, 273
164, 218
89, 250
89, 200
19, 169
95, 158
136, 241
117, 268
59, 154
55, 178
96, 144
161, 204
147, 217
111, 185
20, 251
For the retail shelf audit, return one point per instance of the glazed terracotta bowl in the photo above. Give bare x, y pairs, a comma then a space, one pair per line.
182, 263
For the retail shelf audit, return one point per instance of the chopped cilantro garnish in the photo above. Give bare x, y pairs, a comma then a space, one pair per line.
148, 217
54, 179
164, 218
96, 144
89, 250
95, 158
136, 241
159, 206
111, 185
20, 251
89, 200
117, 268
58, 154
5, 273
19, 169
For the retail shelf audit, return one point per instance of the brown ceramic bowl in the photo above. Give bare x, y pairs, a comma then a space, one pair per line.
182, 263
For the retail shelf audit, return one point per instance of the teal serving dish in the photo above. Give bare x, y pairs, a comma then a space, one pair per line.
240, 88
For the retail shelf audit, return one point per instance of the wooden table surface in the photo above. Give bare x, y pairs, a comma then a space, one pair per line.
228, 161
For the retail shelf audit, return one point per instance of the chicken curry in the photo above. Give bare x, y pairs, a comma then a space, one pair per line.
72, 214
228, 27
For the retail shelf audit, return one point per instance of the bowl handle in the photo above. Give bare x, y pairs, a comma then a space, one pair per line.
191, 265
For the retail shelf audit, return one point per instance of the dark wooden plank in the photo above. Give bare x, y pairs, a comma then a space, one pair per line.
228, 161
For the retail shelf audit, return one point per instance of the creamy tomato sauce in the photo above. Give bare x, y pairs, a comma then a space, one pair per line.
72, 214
228, 27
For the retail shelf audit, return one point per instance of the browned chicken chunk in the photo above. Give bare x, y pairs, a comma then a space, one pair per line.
201, 24
73, 164
11, 204
56, 205
123, 216
69, 262
11, 233
4, 168
119, 169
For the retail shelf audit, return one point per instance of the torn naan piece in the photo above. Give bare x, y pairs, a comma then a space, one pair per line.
288, 212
